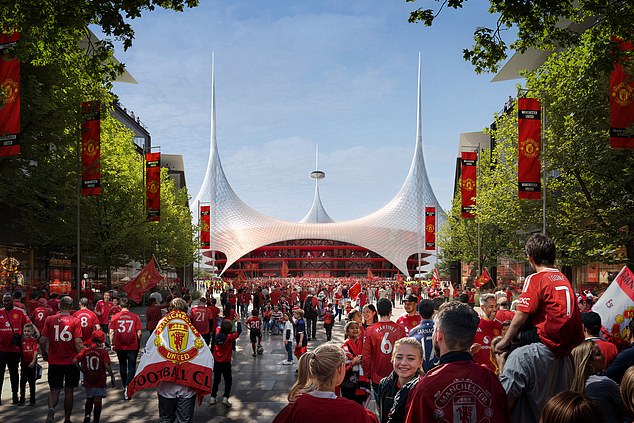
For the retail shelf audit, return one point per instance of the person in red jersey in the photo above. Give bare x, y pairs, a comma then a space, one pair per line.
116, 308
215, 312
33, 302
351, 387
547, 299
125, 334
94, 362
53, 302
488, 329
28, 360
222, 361
458, 389
410, 319
12, 321
591, 330
313, 400
63, 333
40, 313
378, 344
503, 314
153, 314
88, 321
102, 310
254, 324
200, 316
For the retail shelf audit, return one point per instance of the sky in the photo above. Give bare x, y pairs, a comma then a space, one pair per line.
293, 75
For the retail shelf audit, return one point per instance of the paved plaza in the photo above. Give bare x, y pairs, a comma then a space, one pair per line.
260, 386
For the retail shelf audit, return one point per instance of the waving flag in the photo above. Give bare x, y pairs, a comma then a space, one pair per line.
146, 279
175, 352
616, 305
435, 277
355, 291
482, 279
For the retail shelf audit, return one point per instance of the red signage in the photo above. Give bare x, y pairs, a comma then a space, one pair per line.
529, 147
204, 229
91, 148
10, 106
153, 187
621, 105
430, 228
469, 176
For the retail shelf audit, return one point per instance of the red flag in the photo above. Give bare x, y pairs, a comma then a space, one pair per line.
435, 277
482, 279
430, 228
529, 147
621, 105
10, 108
146, 279
90, 148
204, 230
469, 176
153, 187
354, 291
284, 269
399, 278
370, 274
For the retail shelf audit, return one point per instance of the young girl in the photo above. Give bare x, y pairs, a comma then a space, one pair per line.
329, 320
28, 363
407, 359
287, 338
370, 316
313, 399
301, 340
352, 347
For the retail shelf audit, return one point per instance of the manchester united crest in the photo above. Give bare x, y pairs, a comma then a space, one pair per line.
11, 90
430, 228
469, 184
622, 93
153, 187
91, 147
176, 340
529, 148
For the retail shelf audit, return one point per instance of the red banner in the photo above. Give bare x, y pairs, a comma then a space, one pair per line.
482, 279
204, 230
284, 269
91, 148
529, 147
144, 281
469, 176
354, 291
621, 106
153, 187
10, 107
430, 228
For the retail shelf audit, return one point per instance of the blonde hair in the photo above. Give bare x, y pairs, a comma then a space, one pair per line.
627, 390
582, 356
178, 304
412, 342
317, 367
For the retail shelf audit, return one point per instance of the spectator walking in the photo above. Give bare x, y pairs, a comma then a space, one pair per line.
12, 321
125, 335
28, 363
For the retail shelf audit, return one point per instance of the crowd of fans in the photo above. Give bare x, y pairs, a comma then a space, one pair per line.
532, 356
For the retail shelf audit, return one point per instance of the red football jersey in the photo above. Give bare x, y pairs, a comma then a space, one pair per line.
200, 316
87, 320
487, 330
125, 325
11, 322
548, 297
461, 391
377, 348
104, 308
409, 322
29, 349
93, 362
254, 323
39, 316
61, 331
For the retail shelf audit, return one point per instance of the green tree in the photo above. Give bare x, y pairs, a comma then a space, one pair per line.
544, 25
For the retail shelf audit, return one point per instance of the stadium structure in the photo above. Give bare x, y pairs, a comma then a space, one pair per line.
382, 244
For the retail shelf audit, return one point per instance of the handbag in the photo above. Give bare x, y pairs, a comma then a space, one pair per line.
38, 371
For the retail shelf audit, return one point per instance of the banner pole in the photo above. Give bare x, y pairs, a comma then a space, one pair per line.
79, 177
543, 139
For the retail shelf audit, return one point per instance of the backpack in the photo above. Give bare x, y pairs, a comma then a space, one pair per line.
309, 310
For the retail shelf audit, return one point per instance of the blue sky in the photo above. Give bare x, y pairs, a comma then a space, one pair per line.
294, 74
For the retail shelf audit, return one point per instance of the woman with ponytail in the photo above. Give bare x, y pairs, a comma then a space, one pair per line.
313, 398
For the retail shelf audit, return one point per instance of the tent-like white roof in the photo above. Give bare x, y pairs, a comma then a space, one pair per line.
395, 231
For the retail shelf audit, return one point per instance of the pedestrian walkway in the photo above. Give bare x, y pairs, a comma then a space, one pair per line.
260, 386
